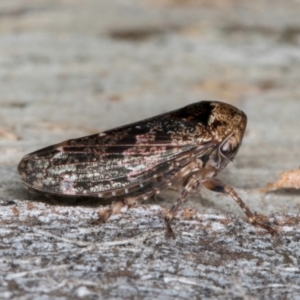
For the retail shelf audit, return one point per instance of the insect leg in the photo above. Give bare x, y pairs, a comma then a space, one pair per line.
192, 183
152, 189
168, 179
217, 186
159, 183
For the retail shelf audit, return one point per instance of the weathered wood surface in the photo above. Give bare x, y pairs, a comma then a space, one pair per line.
59, 252
72, 68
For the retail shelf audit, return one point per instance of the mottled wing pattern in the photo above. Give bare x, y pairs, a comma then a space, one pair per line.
120, 161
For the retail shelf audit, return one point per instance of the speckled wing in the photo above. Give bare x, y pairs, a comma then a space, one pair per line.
122, 160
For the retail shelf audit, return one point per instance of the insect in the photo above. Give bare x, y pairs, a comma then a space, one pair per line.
137, 161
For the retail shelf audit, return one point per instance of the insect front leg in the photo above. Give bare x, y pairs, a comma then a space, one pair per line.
217, 186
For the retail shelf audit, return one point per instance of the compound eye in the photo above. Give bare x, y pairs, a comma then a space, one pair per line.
230, 146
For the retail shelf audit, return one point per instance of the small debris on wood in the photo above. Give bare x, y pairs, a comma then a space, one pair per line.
287, 180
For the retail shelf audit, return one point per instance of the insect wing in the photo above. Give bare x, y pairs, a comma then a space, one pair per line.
115, 162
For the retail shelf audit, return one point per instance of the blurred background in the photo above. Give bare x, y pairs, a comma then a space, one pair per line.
73, 68
70, 68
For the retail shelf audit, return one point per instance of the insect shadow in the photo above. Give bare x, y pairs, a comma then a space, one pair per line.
65, 200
